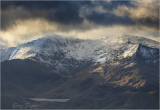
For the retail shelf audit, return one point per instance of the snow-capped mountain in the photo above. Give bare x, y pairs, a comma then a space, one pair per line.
71, 47
60, 52
77, 69
97, 50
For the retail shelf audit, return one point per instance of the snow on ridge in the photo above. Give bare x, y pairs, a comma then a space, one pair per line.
97, 50
21, 53
75, 48
141, 40
132, 48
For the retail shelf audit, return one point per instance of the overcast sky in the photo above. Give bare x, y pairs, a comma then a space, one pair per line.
23, 21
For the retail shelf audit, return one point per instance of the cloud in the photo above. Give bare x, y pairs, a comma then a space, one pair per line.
53, 11
109, 19
74, 13
144, 12
141, 9
32, 29
24, 21
65, 13
25, 30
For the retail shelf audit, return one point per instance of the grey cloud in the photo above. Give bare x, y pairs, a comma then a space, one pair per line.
82, 15
64, 13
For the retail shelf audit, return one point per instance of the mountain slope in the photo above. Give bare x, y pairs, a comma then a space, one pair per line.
120, 73
59, 52
76, 48
24, 79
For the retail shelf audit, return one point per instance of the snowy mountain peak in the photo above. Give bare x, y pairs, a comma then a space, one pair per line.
51, 39
98, 51
140, 40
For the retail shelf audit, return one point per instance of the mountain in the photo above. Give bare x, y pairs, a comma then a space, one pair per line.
61, 52
77, 48
109, 73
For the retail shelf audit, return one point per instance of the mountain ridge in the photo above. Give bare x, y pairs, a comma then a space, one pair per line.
32, 48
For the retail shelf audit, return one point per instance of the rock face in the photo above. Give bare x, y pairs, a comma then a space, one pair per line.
148, 53
83, 70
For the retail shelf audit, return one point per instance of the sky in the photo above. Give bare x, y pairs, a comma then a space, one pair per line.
23, 21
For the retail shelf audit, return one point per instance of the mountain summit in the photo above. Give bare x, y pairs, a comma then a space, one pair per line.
79, 49
60, 52
71, 54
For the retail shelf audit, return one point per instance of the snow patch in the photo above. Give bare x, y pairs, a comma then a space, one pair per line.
132, 48
130, 65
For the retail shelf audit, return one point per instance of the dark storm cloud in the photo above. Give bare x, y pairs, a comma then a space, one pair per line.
68, 13
149, 22
143, 12
61, 12
45, 5
109, 19
23, 21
